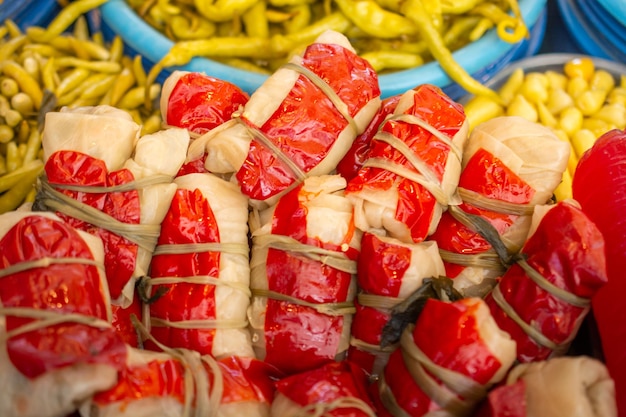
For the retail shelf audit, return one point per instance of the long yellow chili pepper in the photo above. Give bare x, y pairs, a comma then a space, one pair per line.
372, 19
255, 22
510, 28
64, 19
414, 10
26, 82
223, 10
282, 44
301, 18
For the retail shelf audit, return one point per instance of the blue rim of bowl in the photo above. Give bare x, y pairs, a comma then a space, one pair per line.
583, 33
611, 30
617, 9
139, 36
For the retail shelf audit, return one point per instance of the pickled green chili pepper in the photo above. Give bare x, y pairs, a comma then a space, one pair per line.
26, 82
282, 44
300, 18
191, 27
433, 8
255, 21
223, 10
277, 16
460, 29
393, 5
116, 50
101, 66
519, 28
372, 19
184, 51
479, 30
282, 3
458, 6
9, 47
72, 80
414, 10
12, 28
382, 60
65, 18
510, 29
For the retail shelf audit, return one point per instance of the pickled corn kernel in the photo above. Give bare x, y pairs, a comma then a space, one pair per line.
571, 120
614, 113
576, 85
582, 140
511, 86
579, 67
535, 87
546, 117
590, 101
556, 80
520, 106
558, 99
602, 80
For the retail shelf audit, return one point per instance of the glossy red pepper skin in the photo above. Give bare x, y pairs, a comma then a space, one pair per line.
61, 288
349, 166
123, 323
415, 204
568, 250
244, 379
199, 102
75, 168
297, 337
599, 184
189, 220
306, 125
447, 333
157, 378
488, 176
381, 267
326, 384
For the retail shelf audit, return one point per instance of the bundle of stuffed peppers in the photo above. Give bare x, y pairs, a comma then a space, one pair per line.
308, 250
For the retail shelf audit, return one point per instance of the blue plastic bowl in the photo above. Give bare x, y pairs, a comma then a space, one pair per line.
29, 13
590, 32
482, 58
617, 8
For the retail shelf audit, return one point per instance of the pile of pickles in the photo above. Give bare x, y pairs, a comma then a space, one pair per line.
62, 65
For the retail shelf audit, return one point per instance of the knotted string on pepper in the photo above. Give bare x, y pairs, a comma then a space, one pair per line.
237, 249
46, 318
381, 303
267, 142
529, 328
421, 173
143, 235
334, 259
457, 394
500, 256
326, 409
201, 398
